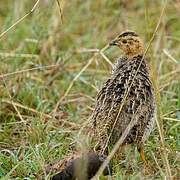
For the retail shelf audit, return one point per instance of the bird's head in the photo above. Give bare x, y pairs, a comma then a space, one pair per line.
130, 43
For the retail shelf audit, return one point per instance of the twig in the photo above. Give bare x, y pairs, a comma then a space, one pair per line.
106, 58
15, 55
115, 148
87, 83
72, 83
156, 161
171, 112
85, 50
173, 38
16, 104
165, 76
76, 77
171, 119
25, 107
20, 20
60, 10
27, 70
1, 35
170, 56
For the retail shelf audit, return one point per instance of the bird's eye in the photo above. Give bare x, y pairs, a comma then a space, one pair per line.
124, 41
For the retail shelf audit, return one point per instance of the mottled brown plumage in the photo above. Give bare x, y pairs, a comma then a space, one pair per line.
127, 95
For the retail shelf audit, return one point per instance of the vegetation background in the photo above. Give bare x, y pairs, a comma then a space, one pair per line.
41, 70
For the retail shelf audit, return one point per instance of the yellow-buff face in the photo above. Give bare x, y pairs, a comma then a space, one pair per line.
130, 43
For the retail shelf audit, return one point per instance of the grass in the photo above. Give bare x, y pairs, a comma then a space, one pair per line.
30, 137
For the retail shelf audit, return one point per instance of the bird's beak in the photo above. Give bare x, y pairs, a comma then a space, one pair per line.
113, 43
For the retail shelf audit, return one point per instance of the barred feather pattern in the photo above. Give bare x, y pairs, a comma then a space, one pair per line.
138, 105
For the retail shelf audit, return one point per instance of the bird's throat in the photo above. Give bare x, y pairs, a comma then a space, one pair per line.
134, 52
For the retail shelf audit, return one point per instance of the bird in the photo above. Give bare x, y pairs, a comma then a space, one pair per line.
79, 166
127, 96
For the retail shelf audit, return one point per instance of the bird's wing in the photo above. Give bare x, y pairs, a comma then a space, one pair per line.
106, 109
119, 102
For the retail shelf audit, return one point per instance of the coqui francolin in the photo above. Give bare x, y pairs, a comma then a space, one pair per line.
126, 97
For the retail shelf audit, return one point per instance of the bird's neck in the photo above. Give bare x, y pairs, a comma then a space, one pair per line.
134, 52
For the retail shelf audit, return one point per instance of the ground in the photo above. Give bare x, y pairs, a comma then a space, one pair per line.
46, 96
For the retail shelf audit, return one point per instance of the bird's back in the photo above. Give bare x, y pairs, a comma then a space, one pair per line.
127, 95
